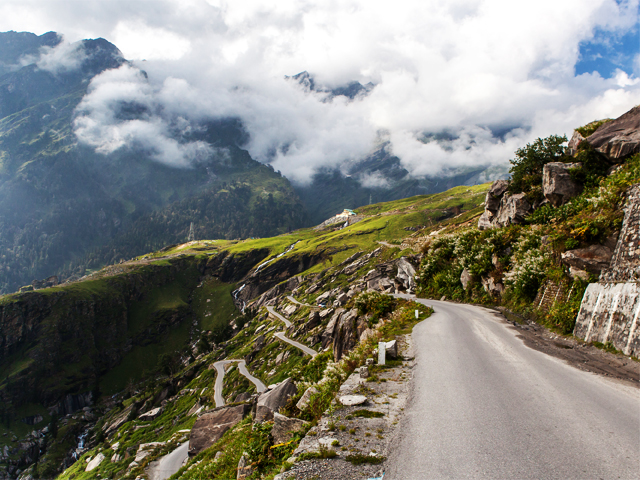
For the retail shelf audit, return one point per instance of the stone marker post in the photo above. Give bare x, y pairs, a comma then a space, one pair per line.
417, 314
382, 350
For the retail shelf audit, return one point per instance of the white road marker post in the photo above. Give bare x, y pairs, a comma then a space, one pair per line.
382, 350
417, 314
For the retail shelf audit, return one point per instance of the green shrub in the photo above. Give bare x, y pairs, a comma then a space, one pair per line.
526, 169
374, 303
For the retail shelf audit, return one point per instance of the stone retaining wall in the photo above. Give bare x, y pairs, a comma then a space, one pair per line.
609, 310
609, 313
549, 294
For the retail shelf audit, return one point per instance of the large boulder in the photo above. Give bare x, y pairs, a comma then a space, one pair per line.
273, 400
513, 209
406, 274
284, 427
557, 185
466, 279
211, 426
620, 137
592, 259
494, 195
575, 142
345, 334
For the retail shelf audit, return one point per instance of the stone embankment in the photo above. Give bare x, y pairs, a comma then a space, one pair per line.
610, 308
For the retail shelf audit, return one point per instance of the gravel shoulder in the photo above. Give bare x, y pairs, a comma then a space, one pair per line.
349, 434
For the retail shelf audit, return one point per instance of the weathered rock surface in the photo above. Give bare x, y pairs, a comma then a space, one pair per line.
592, 259
273, 400
513, 209
283, 427
608, 313
344, 333
391, 349
351, 400
492, 287
466, 278
95, 462
151, 414
501, 208
211, 426
557, 185
245, 468
620, 137
306, 397
574, 143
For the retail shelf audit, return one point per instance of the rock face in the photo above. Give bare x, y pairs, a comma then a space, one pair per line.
575, 141
344, 333
283, 427
557, 185
271, 401
620, 137
492, 287
244, 468
609, 313
306, 397
391, 349
466, 278
502, 209
95, 462
513, 209
593, 259
610, 309
210, 427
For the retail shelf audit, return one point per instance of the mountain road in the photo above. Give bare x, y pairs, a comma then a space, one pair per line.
484, 405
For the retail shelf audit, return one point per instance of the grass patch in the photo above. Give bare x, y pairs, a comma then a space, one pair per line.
364, 413
359, 459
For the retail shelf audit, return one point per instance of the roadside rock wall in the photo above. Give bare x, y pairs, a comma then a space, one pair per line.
610, 308
609, 313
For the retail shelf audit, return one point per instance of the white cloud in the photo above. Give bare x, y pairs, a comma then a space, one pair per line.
494, 74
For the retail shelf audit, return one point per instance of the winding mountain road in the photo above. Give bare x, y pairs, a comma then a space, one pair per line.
484, 405
242, 367
291, 298
280, 335
166, 466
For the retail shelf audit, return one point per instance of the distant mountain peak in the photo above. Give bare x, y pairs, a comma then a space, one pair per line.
351, 90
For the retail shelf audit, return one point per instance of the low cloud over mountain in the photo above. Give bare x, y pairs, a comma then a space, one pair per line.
457, 84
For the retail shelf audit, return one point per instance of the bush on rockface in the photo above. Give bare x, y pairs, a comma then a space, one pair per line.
374, 303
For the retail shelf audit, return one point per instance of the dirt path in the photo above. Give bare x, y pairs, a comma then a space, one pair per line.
292, 299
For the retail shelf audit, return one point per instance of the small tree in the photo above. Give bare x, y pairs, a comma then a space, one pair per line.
526, 167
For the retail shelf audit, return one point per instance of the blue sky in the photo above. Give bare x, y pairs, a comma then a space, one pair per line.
608, 52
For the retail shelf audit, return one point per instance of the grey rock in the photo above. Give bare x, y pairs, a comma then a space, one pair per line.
344, 334
370, 361
364, 372
406, 274
575, 141
306, 398
342, 299
284, 427
513, 209
485, 221
494, 195
211, 426
592, 259
620, 137
492, 287
244, 467
351, 400
391, 349
95, 462
274, 400
557, 185
466, 279
151, 414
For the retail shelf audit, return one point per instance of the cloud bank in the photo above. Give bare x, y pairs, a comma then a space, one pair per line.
459, 83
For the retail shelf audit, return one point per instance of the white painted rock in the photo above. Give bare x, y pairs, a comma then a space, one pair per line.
97, 460
350, 400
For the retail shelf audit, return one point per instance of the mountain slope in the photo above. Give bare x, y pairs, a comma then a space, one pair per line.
65, 208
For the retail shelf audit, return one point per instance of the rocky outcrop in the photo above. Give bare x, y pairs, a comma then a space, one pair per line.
513, 209
557, 185
211, 426
618, 138
273, 400
492, 287
284, 427
466, 279
501, 208
345, 334
593, 259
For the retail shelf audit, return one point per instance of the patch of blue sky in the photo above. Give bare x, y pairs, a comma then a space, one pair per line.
609, 51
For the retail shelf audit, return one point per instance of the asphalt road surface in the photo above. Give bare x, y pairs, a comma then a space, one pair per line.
218, 386
483, 405
280, 335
